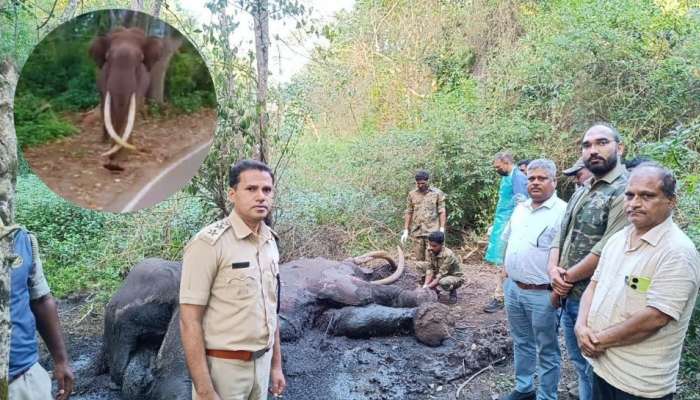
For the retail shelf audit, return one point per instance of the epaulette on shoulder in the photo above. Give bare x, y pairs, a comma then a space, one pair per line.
275, 235
213, 232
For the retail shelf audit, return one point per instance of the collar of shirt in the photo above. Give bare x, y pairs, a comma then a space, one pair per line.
653, 236
610, 177
549, 203
243, 231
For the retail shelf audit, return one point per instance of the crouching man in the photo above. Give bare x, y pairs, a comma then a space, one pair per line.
443, 269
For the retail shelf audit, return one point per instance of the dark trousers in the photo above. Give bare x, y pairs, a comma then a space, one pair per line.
602, 390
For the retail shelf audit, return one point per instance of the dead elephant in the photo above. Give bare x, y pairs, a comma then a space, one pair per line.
143, 354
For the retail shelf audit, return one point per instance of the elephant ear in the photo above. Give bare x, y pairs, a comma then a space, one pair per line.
152, 51
98, 50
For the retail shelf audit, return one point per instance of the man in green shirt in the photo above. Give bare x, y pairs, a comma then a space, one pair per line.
594, 213
443, 267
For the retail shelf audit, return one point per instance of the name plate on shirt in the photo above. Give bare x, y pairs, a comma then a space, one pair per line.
244, 264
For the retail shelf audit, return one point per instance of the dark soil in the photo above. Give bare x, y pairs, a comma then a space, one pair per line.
74, 168
320, 366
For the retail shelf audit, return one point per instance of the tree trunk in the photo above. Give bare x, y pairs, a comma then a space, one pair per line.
262, 47
69, 11
137, 5
157, 89
155, 11
8, 179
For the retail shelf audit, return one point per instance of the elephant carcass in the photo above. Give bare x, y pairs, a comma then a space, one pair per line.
141, 345
142, 350
312, 286
125, 58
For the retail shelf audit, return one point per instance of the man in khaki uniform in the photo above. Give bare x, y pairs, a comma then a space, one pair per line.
229, 296
425, 213
443, 267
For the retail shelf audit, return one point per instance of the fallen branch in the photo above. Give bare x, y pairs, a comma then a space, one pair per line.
92, 306
490, 366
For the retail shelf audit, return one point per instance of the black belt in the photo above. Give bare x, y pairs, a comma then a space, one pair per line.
532, 286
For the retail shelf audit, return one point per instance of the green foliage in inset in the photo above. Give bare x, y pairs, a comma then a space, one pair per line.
187, 82
85, 250
36, 122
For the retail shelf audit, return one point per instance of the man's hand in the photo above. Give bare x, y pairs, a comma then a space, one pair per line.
561, 287
404, 236
63, 374
588, 341
277, 382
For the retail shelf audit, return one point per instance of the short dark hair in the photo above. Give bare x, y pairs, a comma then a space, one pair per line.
521, 162
634, 162
238, 168
436, 237
504, 156
615, 133
422, 175
668, 180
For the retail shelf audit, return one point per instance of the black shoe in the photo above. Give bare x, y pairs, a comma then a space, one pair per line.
493, 306
453, 297
515, 395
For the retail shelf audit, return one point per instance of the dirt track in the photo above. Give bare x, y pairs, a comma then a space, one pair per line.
73, 168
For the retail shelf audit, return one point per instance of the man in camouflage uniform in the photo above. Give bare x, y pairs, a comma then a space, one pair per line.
443, 267
594, 213
425, 213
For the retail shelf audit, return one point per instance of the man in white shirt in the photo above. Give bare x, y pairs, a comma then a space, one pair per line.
635, 312
531, 316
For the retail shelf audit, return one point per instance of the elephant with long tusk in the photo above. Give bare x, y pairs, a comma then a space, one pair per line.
125, 58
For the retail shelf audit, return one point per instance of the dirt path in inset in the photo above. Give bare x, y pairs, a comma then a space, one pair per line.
74, 168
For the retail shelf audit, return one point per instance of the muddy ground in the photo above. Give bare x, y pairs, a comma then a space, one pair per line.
74, 168
324, 367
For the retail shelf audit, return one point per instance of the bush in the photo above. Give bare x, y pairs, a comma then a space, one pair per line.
36, 122
92, 251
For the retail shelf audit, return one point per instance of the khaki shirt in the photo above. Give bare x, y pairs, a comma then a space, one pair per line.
425, 209
595, 212
446, 263
233, 272
668, 263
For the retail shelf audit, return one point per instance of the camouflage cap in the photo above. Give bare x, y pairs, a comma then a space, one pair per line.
578, 165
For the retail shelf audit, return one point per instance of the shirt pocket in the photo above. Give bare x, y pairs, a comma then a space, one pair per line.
544, 238
239, 283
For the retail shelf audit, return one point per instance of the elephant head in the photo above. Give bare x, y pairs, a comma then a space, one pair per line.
125, 58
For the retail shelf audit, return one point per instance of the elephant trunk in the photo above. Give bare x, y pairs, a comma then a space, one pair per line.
121, 141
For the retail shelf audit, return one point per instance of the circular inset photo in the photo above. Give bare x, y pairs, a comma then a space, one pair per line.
115, 110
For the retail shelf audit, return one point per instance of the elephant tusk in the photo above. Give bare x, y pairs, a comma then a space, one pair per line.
399, 269
129, 126
110, 127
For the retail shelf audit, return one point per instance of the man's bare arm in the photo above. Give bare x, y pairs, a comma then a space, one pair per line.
191, 317
583, 269
49, 327
278, 382
637, 328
